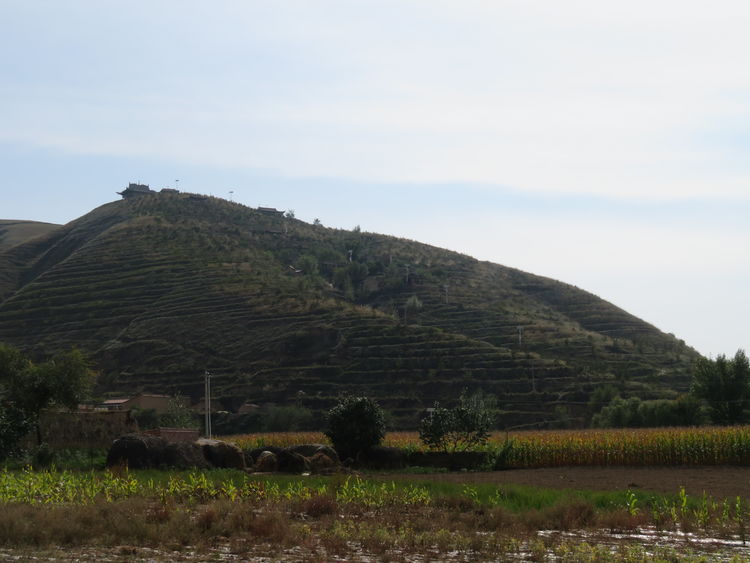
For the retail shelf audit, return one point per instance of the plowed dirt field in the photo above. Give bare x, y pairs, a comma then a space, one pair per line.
717, 481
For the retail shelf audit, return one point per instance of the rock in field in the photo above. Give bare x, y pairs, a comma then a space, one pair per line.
266, 462
222, 454
309, 450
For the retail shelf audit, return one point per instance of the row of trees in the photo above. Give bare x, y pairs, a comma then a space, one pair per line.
720, 395
358, 423
722, 385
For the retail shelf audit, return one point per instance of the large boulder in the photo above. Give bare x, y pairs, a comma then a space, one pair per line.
137, 451
321, 463
309, 450
185, 455
222, 454
292, 462
266, 463
251, 457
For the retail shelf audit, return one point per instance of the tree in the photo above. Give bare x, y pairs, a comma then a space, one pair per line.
465, 426
636, 413
178, 414
724, 384
355, 424
308, 264
412, 305
146, 418
27, 388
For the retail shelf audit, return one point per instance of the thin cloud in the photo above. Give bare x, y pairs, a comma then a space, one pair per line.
582, 97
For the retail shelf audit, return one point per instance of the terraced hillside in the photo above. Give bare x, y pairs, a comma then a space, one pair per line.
160, 288
15, 232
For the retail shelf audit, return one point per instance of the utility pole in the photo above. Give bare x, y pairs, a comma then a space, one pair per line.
230, 194
207, 405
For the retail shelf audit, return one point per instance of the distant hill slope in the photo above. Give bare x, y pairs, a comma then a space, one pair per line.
162, 287
15, 232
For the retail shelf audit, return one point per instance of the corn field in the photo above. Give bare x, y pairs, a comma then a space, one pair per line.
553, 448
632, 447
67, 487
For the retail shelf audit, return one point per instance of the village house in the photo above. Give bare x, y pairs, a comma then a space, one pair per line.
143, 401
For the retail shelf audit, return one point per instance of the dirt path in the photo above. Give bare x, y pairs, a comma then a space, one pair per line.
717, 481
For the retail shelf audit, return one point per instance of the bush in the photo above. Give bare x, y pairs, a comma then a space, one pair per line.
355, 424
635, 413
458, 429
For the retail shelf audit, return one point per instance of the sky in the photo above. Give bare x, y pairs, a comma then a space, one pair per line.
604, 144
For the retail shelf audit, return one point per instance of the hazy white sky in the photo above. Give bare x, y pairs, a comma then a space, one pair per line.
604, 144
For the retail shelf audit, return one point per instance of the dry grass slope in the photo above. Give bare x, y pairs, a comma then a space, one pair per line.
13, 232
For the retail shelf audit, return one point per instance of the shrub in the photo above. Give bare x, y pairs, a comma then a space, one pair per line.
355, 424
460, 428
635, 413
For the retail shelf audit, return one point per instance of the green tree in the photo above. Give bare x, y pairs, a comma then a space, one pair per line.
308, 264
412, 306
146, 418
463, 427
355, 424
179, 414
724, 384
635, 413
27, 388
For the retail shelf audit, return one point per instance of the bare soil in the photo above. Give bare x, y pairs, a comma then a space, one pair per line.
717, 481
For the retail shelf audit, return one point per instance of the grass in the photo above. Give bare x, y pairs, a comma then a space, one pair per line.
344, 516
51, 487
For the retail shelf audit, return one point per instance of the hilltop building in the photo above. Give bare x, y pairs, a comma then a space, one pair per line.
136, 190
270, 211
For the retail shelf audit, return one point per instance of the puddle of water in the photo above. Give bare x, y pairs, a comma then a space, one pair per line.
651, 539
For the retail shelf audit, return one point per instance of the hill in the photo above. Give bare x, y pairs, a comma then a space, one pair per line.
15, 232
161, 287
